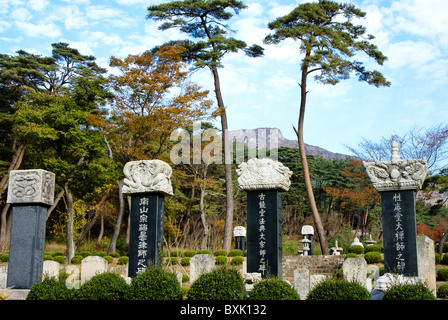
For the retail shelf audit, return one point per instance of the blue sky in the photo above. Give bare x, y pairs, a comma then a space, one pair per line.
263, 92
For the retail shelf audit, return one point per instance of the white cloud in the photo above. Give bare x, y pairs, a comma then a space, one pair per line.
103, 12
38, 5
44, 30
21, 14
72, 17
4, 26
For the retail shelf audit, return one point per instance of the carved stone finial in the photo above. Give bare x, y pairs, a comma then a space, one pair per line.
263, 174
397, 174
239, 231
34, 186
147, 176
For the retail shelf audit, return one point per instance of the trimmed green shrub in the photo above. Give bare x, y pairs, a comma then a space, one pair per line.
445, 247
50, 289
203, 252
409, 292
372, 248
189, 253
4, 257
356, 249
76, 259
123, 260
338, 290
444, 259
57, 253
373, 257
104, 286
172, 260
220, 252
221, 260
48, 256
114, 254
155, 284
59, 259
185, 278
235, 253
219, 284
442, 291
109, 259
437, 257
85, 253
236, 261
101, 254
442, 274
176, 253
185, 262
273, 289
351, 255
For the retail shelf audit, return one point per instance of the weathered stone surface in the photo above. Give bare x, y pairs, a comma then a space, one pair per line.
426, 262
147, 176
91, 266
31, 186
199, 264
397, 174
302, 282
355, 270
51, 269
263, 174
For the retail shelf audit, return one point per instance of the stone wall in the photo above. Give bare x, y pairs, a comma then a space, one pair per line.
316, 264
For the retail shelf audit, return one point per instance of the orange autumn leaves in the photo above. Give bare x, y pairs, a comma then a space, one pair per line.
152, 97
358, 190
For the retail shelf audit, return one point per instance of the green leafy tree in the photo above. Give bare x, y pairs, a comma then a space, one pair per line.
58, 121
329, 42
204, 21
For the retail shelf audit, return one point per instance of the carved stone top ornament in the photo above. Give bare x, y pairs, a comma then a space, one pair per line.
34, 186
397, 174
263, 174
147, 176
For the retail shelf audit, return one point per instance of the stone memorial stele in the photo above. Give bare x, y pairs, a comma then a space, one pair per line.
264, 179
239, 233
30, 193
146, 182
397, 181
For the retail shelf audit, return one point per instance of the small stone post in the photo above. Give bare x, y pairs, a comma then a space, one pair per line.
264, 179
30, 192
307, 234
397, 181
146, 182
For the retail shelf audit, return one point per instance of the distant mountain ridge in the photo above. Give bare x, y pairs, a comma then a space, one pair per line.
264, 137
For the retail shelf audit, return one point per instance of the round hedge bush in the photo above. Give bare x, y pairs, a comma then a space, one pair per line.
155, 284
273, 289
50, 289
219, 284
221, 260
372, 248
122, 260
373, 257
104, 286
442, 274
220, 252
338, 290
189, 253
237, 261
235, 253
409, 292
4, 257
444, 259
356, 249
185, 261
442, 291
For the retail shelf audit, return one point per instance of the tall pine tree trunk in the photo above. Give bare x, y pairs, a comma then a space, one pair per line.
69, 241
305, 168
227, 163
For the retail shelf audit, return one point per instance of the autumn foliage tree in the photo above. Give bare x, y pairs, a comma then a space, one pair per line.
152, 97
357, 194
